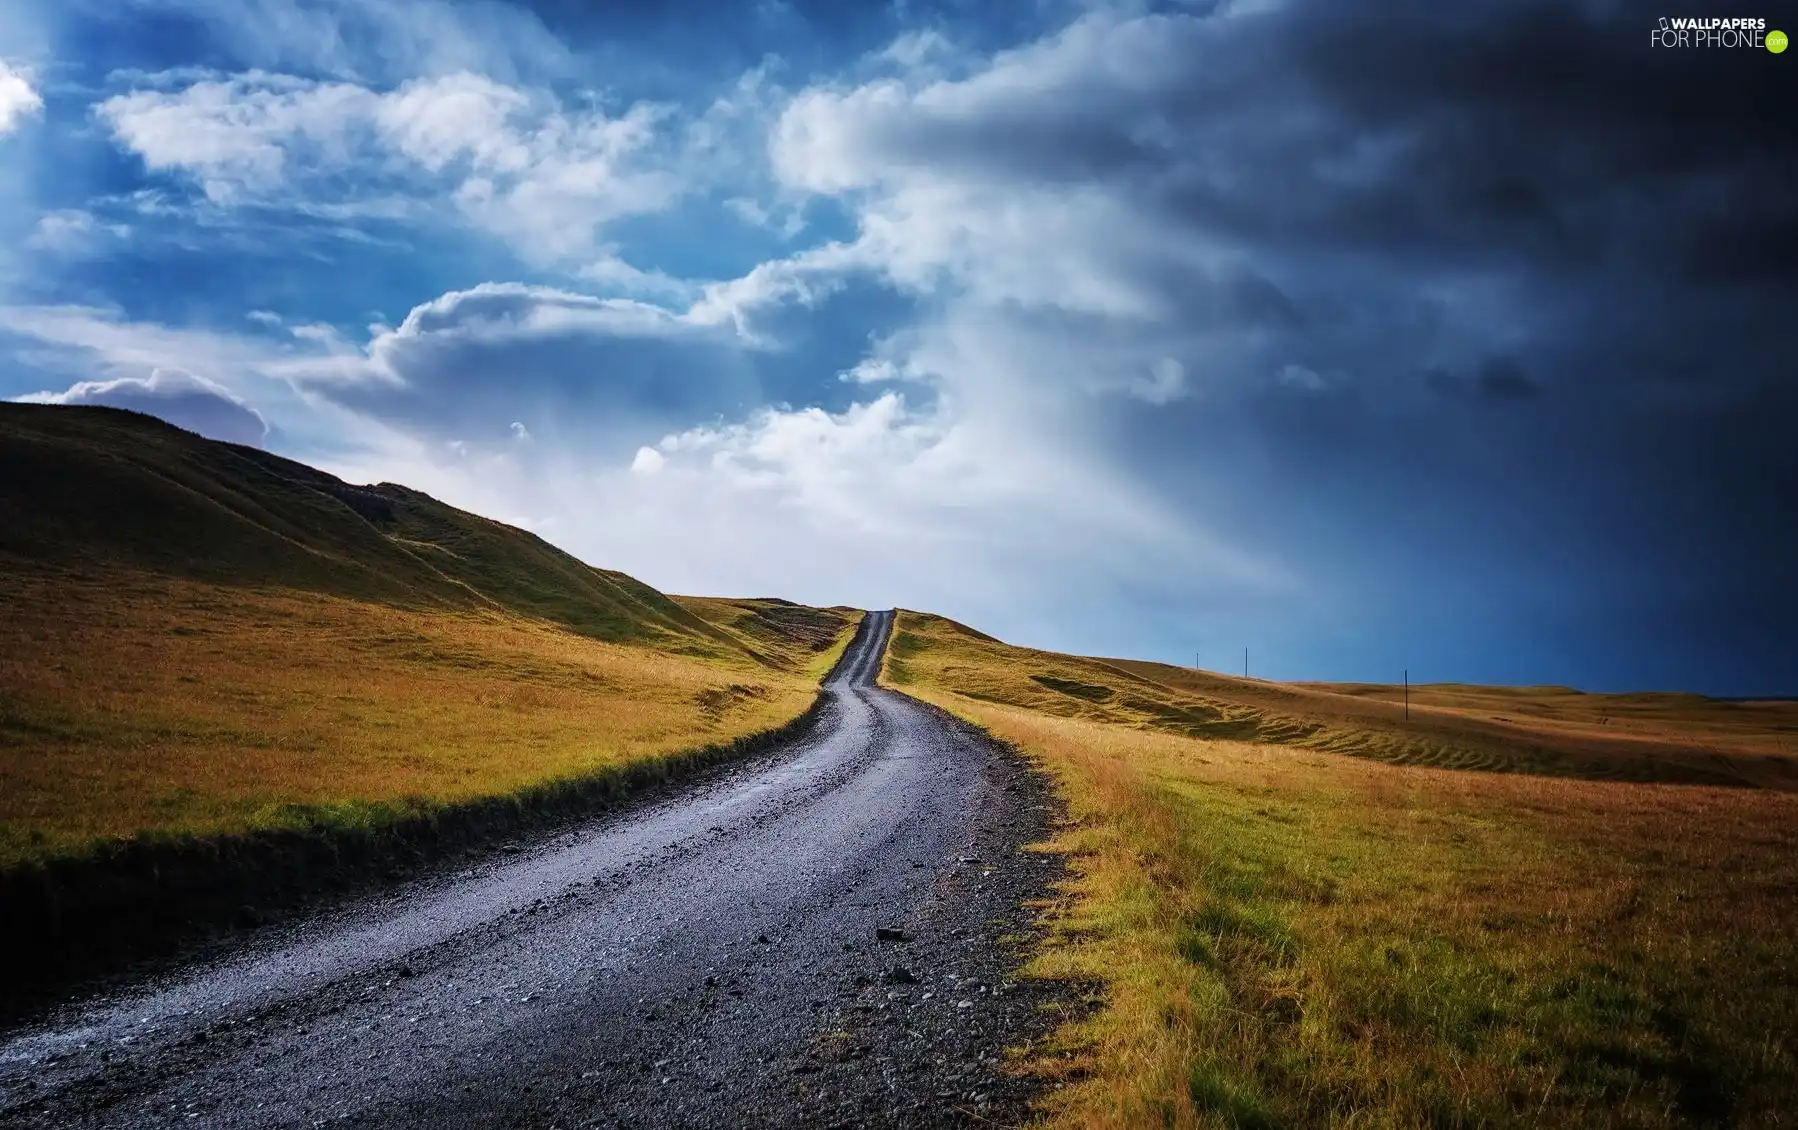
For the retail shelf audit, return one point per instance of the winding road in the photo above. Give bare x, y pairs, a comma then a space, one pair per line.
808, 939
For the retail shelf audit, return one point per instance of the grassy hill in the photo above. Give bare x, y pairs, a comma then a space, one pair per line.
98, 487
198, 639
1302, 916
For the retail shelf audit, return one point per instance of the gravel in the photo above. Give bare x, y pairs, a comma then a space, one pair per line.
826, 936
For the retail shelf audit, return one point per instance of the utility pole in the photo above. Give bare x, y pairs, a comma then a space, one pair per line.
1407, 694
1245, 662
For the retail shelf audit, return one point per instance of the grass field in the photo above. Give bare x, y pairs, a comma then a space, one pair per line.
134, 703
1549, 731
1294, 937
197, 638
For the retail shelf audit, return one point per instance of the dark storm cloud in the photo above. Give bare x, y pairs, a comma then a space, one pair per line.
1435, 130
1510, 267
1503, 379
1497, 378
1402, 186
1565, 137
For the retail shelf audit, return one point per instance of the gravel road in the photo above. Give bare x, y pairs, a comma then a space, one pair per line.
819, 937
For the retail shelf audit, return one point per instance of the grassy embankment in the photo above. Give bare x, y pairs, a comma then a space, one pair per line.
200, 640
1301, 921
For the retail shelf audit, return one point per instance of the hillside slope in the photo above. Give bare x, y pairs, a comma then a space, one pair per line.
100, 487
202, 639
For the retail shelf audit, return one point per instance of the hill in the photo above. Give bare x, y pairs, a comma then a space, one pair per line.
99, 487
198, 638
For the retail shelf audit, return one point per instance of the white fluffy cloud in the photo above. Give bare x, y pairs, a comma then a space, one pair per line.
881, 503
18, 100
955, 180
458, 362
493, 311
181, 398
1012, 197
887, 469
540, 174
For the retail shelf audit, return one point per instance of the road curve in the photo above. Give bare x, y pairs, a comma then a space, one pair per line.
672, 966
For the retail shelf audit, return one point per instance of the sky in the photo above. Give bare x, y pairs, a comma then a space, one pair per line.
1370, 337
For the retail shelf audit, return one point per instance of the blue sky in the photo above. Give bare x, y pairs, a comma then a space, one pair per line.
1449, 337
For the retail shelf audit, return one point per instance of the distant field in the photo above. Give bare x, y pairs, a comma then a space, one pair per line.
1549, 731
1294, 937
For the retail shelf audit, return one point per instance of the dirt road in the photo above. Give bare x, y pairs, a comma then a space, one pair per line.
811, 939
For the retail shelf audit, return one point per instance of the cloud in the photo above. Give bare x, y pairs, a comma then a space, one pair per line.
1165, 382
1497, 378
520, 164
1234, 187
1350, 202
74, 232
1301, 378
520, 433
647, 461
882, 502
81, 339
596, 364
464, 362
803, 280
1501, 378
621, 475
18, 100
180, 398
1167, 307
370, 41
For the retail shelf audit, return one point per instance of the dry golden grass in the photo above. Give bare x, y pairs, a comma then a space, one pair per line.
1293, 937
1551, 731
1555, 730
134, 703
778, 632
1766, 727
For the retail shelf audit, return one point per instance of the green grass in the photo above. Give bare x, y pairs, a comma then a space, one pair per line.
1292, 937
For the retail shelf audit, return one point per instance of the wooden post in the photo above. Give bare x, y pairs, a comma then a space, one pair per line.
1407, 694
